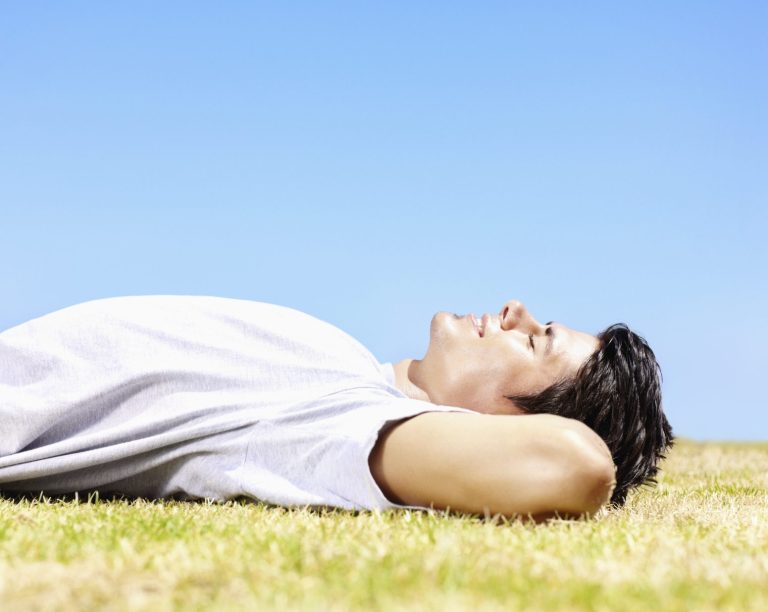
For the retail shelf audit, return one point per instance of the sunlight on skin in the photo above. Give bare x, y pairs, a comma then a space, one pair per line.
474, 363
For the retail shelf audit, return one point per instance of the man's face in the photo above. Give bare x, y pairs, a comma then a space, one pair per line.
475, 362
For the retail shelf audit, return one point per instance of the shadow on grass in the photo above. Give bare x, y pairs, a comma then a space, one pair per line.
98, 497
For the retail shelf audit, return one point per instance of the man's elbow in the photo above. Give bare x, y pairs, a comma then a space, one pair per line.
599, 481
588, 476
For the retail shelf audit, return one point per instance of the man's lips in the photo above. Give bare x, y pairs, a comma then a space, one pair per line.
478, 325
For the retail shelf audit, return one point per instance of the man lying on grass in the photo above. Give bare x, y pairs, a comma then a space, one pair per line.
204, 397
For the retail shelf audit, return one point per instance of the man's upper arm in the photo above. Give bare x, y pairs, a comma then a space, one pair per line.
510, 465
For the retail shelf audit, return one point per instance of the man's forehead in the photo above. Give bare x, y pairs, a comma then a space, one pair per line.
574, 343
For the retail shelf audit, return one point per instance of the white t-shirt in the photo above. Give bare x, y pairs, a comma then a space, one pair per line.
194, 397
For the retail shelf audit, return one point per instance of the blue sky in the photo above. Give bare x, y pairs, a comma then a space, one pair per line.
372, 163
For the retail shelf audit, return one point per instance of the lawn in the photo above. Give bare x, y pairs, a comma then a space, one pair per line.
697, 541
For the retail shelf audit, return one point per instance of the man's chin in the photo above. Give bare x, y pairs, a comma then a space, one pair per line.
441, 323
443, 332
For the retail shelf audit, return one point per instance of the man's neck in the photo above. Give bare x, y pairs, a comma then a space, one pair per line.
404, 371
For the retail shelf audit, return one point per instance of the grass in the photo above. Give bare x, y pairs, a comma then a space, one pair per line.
697, 541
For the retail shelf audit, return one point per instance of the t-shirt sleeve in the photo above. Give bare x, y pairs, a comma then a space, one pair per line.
322, 458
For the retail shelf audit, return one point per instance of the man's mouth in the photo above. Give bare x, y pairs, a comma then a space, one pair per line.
478, 325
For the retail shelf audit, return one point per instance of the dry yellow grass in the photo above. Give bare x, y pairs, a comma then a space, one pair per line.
697, 541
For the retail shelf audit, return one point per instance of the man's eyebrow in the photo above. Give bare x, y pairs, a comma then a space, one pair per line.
550, 333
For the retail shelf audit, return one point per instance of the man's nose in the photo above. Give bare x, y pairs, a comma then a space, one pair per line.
514, 315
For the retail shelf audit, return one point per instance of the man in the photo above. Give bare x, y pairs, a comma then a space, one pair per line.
207, 397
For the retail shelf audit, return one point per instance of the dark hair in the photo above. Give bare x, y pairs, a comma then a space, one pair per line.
617, 393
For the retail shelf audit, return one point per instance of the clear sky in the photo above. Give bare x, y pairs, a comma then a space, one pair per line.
373, 163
